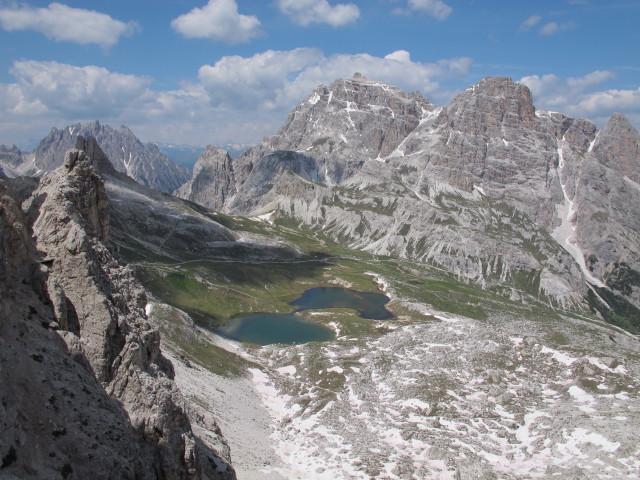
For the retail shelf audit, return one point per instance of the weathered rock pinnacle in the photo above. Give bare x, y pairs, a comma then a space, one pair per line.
96, 345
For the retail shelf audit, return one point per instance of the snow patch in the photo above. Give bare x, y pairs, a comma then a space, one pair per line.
565, 233
582, 397
581, 435
620, 369
559, 356
480, 190
266, 217
381, 282
288, 370
314, 99
593, 142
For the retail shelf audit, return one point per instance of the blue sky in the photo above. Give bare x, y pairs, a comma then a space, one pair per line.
217, 71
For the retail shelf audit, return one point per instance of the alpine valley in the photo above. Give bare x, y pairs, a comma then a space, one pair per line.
506, 239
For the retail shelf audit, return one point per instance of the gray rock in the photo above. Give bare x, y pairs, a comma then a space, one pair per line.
100, 401
486, 188
144, 163
213, 180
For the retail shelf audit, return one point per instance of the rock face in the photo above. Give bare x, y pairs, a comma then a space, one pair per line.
144, 163
86, 391
328, 137
213, 180
10, 157
524, 202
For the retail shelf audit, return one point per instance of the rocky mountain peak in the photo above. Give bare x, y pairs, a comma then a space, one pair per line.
10, 155
355, 113
618, 146
213, 179
490, 105
211, 156
98, 361
77, 194
144, 163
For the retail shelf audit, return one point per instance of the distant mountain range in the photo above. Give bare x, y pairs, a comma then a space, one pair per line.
163, 166
144, 163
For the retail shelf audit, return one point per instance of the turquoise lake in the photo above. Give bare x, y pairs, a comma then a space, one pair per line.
289, 328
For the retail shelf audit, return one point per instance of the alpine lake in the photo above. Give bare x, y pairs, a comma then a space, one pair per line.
289, 328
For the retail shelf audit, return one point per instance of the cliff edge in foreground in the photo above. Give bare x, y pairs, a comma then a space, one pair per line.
86, 392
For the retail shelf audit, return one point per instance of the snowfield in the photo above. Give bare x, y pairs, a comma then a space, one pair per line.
452, 399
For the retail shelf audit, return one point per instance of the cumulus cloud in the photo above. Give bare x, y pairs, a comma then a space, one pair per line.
583, 96
74, 90
603, 104
63, 23
400, 56
530, 22
279, 79
307, 12
236, 99
552, 28
255, 81
590, 80
218, 20
436, 8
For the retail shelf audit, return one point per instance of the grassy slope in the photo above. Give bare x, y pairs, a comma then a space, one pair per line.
213, 290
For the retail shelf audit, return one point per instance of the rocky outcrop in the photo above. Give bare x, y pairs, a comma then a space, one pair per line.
86, 391
328, 137
618, 147
144, 163
11, 156
213, 180
607, 226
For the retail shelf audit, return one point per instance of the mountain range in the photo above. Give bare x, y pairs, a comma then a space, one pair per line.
144, 163
520, 201
504, 240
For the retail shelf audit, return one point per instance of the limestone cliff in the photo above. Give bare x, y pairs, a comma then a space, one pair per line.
213, 180
86, 392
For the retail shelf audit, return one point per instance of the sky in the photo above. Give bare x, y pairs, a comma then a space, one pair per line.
229, 71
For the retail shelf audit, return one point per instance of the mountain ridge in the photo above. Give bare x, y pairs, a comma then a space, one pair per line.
144, 163
486, 187
86, 389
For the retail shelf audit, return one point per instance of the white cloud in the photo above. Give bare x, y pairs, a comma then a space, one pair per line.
583, 96
63, 23
590, 80
218, 20
530, 22
552, 28
73, 90
237, 99
436, 8
609, 101
257, 81
400, 56
306, 12
278, 79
